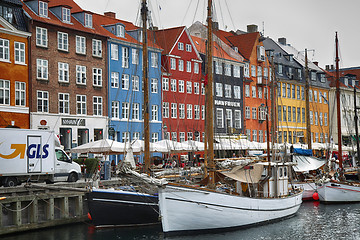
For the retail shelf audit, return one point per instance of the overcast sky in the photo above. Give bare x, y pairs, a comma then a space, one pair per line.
307, 24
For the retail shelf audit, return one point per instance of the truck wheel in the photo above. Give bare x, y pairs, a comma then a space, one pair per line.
10, 182
72, 177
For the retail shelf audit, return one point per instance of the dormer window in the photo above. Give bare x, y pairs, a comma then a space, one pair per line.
88, 20
66, 15
346, 81
120, 31
43, 9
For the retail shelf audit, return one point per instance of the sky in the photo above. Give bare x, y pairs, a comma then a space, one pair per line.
306, 24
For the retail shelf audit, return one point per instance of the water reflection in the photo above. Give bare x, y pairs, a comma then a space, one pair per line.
313, 221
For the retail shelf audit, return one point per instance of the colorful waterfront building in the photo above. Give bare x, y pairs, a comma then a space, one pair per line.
68, 75
125, 85
183, 92
256, 82
292, 97
228, 67
14, 66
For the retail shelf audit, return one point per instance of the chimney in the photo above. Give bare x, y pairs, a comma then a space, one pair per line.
252, 28
110, 14
332, 67
327, 67
316, 63
215, 26
282, 41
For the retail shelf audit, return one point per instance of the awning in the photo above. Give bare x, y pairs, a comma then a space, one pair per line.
307, 163
247, 174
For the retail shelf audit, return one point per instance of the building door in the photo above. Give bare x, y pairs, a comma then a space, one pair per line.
65, 138
83, 136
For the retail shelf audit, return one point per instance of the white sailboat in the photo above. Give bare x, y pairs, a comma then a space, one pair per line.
332, 191
255, 194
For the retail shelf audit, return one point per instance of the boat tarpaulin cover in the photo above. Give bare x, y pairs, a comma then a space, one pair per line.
307, 163
305, 152
247, 174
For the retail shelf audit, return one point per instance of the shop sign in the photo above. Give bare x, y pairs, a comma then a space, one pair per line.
73, 121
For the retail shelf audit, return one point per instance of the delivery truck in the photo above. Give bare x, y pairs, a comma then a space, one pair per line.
34, 155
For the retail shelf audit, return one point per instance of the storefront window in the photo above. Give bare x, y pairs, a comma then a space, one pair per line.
83, 136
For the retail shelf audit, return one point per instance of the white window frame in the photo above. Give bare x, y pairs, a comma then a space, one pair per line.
97, 106
41, 37
135, 83
189, 111
196, 88
42, 70
125, 57
172, 63
181, 65
114, 80
4, 92
180, 46
227, 91
188, 47
237, 92
97, 48
63, 41
181, 111
173, 110
43, 9
196, 68
42, 101
19, 48
188, 66
88, 21
173, 85
154, 85
80, 45
237, 119
227, 69
66, 15
125, 110
120, 30
20, 94
197, 112
247, 90
125, 81
135, 111
135, 56
97, 77
165, 110
236, 71
188, 87
81, 104
182, 136
115, 110
154, 113
4, 50
181, 86
220, 117
154, 60
218, 89
64, 103
63, 72
165, 84
154, 137
80, 75
114, 52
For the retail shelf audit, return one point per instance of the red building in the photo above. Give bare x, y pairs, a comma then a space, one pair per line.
183, 92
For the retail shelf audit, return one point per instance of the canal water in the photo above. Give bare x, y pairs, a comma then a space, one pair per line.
313, 221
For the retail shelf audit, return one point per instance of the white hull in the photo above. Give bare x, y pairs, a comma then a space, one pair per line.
338, 192
189, 209
309, 188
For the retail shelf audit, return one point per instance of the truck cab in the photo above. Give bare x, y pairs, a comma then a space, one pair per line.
65, 168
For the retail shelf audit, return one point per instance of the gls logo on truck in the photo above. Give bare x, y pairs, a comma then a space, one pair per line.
33, 151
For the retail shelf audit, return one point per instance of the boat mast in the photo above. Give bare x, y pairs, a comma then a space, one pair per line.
144, 14
338, 109
307, 103
209, 158
356, 127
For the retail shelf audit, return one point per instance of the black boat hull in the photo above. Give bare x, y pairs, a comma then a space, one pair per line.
121, 208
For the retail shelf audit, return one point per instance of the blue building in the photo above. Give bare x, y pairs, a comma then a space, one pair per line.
125, 87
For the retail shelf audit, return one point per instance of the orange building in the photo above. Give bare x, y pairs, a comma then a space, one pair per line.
256, 83
14, 67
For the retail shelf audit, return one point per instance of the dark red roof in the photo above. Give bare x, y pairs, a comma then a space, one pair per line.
245, 43
166, 38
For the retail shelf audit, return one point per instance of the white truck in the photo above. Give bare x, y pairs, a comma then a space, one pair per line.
34, 155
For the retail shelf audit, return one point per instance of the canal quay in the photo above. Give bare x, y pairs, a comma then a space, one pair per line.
35, 206
313, 221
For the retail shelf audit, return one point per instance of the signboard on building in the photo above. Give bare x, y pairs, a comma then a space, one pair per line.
73, 121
